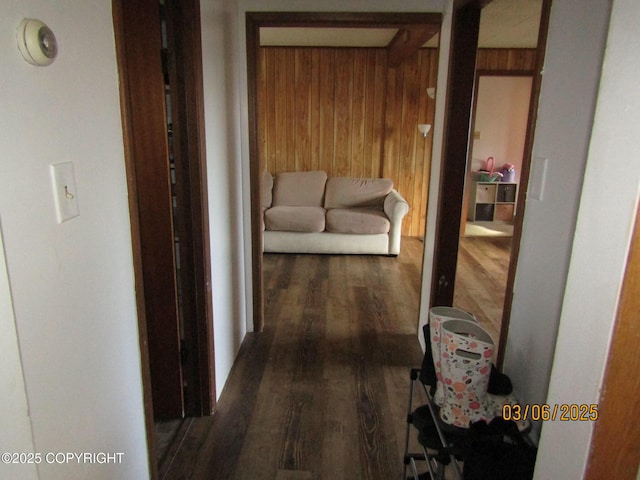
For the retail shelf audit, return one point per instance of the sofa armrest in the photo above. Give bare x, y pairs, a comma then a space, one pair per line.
396, 208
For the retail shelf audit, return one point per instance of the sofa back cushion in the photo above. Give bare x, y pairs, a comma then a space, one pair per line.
346, 192
299, 189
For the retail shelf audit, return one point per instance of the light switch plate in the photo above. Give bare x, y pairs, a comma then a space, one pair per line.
65, 194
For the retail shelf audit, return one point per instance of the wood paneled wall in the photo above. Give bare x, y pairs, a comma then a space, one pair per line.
506, 59
407, 154
344, 111
322, 109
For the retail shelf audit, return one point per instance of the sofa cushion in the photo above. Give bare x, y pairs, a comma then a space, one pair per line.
295, 219
346, 192
267, 188
267, 195
357, 220
300, 189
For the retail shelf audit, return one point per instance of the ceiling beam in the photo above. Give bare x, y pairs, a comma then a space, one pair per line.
408, 40
344, 19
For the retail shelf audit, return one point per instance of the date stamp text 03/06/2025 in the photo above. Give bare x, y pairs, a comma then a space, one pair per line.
564, 412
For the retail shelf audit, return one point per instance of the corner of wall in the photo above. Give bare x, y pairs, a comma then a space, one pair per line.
16, 423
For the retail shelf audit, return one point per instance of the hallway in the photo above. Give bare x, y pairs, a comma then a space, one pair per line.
322, 392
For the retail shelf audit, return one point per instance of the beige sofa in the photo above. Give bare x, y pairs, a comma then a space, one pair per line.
306, 212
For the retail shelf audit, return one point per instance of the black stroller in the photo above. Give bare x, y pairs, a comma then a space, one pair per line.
485, 451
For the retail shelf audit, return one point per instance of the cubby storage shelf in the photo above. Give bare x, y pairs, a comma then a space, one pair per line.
492, 201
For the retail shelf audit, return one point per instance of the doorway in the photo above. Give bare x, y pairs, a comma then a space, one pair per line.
500, 123
429, 22
159, 62
456, 155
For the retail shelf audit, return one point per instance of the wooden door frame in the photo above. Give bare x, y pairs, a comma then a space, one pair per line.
143, 86
127, 135
254, 21
522, 187
451, 205
614, 452
186, 78
457, 138
191, 141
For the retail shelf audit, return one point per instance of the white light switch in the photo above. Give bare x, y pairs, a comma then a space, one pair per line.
65, 194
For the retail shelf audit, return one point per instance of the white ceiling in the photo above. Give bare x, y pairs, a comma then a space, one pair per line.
510, 24
503, 24
326, 37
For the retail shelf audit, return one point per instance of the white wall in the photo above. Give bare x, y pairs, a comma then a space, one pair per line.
605, 221
71, 285
224, 176
14, 417
436, 170
501, 119
575, 46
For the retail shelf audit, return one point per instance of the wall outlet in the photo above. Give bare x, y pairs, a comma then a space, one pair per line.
65, 194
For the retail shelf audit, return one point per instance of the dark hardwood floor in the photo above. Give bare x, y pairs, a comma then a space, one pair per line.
322, 392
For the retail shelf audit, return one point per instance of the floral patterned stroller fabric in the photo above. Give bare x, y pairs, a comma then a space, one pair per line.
437, 315
466, 351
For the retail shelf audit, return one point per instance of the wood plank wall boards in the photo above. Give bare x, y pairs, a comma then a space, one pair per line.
345, 111
407, 155
614, 446
507, 59
322, 109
